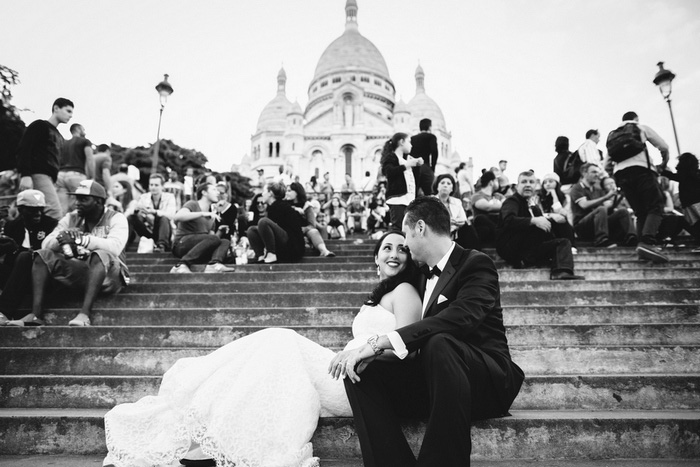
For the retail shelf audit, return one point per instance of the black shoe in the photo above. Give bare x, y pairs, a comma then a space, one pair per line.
198, 462
651, 253
631, 240
606, 243
565, 276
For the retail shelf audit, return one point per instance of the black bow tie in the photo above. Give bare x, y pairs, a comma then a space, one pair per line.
430, 272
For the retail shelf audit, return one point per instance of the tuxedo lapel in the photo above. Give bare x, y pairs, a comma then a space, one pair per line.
445, 277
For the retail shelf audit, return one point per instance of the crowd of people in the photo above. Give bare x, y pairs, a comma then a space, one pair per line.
75, 218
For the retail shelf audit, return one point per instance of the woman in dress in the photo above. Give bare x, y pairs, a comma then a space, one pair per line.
462, 232
297, 196
256, 401
277, 236
401, 172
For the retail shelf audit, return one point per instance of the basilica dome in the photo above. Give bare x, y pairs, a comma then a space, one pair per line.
351, 51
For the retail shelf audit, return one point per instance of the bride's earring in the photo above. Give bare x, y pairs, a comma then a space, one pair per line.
378, 272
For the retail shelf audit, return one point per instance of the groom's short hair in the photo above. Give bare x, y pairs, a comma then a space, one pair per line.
432, 212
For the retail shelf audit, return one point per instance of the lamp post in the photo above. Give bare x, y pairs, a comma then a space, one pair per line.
663, 80
164, 90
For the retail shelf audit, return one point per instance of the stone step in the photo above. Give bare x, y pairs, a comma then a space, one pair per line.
271, 299
364, 285
356, 263
588, 392
95, 460
354, 255
526, 434
369, 274
343, 316
154, 361
549, 335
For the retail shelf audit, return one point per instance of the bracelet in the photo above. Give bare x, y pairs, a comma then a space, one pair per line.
372, 341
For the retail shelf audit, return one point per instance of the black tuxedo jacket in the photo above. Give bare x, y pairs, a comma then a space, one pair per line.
466, 304
425, 146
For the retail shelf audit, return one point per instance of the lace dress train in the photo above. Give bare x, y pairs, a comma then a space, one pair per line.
254, 402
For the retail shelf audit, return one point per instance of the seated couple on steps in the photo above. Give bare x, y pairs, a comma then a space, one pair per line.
428, 345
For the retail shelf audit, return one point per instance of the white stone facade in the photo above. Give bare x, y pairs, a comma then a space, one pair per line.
350, 114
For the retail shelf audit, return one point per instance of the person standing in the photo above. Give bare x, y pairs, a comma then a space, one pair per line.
588, 152
39, 155
77, 164
103, 166
401, 171
424, 145
637, 177
460, 368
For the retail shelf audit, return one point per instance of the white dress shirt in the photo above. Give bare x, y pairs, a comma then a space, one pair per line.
394, 337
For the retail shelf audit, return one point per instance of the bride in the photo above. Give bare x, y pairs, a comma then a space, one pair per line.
255, 402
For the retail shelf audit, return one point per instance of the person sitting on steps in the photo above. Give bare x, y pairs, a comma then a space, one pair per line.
277, 236
194, 240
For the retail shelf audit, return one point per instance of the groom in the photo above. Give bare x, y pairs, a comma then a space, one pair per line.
455, 364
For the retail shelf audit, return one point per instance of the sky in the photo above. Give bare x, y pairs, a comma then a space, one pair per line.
509, 75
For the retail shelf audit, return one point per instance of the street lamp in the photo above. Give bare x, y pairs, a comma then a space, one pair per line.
663, 80
164, 90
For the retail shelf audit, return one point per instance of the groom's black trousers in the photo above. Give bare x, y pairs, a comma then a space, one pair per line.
447, 383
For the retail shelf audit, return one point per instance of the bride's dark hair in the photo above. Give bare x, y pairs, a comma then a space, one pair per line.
410, 274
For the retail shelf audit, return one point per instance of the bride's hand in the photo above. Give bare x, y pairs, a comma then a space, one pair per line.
344, 364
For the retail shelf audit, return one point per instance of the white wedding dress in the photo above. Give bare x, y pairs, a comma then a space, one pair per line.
254, 402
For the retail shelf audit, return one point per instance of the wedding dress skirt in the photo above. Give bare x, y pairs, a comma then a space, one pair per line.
254, 402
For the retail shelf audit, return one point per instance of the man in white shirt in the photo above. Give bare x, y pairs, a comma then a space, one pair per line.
588, 151
460, 367
155, 211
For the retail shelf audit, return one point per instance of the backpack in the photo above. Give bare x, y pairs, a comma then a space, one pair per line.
625, 142
570, 170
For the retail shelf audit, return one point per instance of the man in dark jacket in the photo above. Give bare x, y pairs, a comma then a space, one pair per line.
459, 369
38, 156
424, 145
524, 236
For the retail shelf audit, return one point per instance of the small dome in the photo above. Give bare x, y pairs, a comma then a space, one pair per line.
423, 106
401, 107
274, 115
296, 109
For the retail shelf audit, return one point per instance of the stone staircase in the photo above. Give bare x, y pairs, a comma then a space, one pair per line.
612, 364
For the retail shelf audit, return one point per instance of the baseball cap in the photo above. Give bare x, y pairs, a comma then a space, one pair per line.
31, 198
90, 188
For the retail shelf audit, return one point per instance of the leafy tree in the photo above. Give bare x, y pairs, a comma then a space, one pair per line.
171, 156
240, 187
11, 125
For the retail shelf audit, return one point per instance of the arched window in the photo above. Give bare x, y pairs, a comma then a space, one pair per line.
348, 151
269, 154
277, 150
